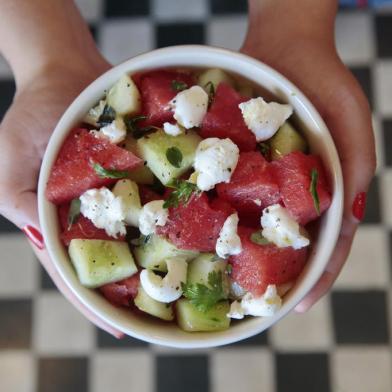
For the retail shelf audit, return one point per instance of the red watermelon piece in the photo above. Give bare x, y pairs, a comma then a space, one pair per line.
83, 228
224, 119
156, 91
147, 194
257, 266
73, 174
123, 292
293, 174
196, 224
251, 187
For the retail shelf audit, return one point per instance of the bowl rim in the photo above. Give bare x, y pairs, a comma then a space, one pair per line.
199, 52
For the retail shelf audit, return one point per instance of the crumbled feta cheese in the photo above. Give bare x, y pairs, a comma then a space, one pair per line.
257, 202
190, 106
105, 210
116, 132
265, 306
264, 118
281, 229
152, 215
95, 113
215, 162
229, 242
236, 291
173, 129
167, 289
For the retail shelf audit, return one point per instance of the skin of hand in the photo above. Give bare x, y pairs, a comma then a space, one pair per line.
297, 39
44, 89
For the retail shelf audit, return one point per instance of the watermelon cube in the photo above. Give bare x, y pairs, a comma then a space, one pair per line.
293, 175
73, 173
251, 187
257, 266
157, 91
196, 224
224, 119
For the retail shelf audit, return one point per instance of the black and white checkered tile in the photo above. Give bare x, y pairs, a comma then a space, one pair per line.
342, 345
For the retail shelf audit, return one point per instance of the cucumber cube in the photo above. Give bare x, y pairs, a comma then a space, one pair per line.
191, 319
214, 76
129, 193
156, 250
153, 150
98, 262
155, 308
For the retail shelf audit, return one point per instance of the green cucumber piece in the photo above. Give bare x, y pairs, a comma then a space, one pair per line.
214, 76
153, 150
192, 320
98, 262
129, 193
155, 308
154, 252
285, 141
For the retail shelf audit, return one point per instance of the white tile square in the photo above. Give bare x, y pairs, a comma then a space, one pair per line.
310, 331
17, 371
91, 10
227, 32
354, 37
5, 69
362, 369
383, 86
180, 10
242, 370
124, 38
60, 329
368, 265
130, 370
385, 195
18, 265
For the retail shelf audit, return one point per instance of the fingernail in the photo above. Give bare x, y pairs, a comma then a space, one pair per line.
359, 205
120, 336
34, 236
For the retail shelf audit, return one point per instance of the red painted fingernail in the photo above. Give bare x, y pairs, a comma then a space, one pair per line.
359, 205
34, 236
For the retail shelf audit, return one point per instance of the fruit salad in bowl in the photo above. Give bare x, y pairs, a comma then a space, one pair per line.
188, 198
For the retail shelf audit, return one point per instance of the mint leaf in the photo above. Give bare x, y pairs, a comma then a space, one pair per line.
137, 132
313, 190
183, 192
174, 156
204, 297
211, 92
107, 173
178, 85
107, 117
258, 239
74, 212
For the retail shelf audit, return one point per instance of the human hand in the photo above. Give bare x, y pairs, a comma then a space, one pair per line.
298, 41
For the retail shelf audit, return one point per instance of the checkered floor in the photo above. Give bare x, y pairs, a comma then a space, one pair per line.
342, 345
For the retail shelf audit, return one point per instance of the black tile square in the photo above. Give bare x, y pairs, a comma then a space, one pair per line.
179, 34
363, 75
46, 282
15, 323
360, 317
255, 341
372, 211
180, 373
7, 88
124, 8
228, 6
105, 340
384, 35
302, 372
63, 374
6, 226
387, 131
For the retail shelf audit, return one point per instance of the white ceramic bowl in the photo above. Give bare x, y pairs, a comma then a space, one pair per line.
306, 117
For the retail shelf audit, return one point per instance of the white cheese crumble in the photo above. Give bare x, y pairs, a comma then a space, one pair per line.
167, 289
281, 229
265, 306
95, 113
105, 210
173, 129
152, 215
229, 242
190, 106
215, 162
116, 131
263, 118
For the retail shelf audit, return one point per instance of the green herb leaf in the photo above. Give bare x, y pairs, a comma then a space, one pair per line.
205, 297
211, 92
183, 192
264, 148
107, 173
74, 212
258, 239
313, 190
177, 85
136, 131
174, 156
107, 117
